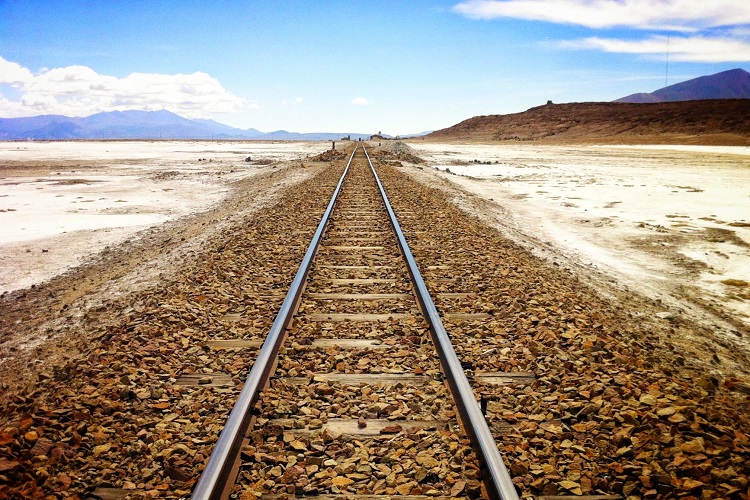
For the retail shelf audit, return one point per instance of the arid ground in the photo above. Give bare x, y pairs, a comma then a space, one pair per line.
62, 202
108, 249
671, 223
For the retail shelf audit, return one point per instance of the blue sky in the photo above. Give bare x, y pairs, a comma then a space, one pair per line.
393, 66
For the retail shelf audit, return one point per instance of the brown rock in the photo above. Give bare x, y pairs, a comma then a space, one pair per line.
298, 445
5, 438
665, 412
391, 429
458, 488
41, 447
625, 451
8, 465
341, 481
694, 446
405, 489
691, 484
427, 461
102, 449
647, 399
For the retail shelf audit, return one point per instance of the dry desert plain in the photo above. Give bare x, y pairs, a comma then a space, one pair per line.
62, 202
671, 223
93, 222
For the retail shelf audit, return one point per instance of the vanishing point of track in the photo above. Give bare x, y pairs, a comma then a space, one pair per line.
357, 278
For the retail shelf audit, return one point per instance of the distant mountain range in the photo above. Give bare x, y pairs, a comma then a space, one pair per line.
144, 125
732, 84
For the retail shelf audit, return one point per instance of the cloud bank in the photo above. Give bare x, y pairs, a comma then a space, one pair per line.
715, 30
681, 15
81, 91
682, 49
287, 102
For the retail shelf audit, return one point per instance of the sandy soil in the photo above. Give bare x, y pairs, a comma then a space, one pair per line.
61, 202
669, 222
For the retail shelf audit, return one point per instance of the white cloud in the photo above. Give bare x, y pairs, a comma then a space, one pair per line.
720, 28
360, 101
81, 91
286, 102
13, 73
678, 15
684, 49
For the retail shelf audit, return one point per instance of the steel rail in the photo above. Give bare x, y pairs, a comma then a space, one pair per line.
498, 482
217, 478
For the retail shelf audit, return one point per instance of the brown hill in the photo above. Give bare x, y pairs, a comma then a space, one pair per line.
709, 122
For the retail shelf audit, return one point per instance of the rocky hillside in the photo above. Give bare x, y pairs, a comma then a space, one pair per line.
713, 122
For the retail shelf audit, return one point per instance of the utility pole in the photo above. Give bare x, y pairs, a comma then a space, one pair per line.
666, 75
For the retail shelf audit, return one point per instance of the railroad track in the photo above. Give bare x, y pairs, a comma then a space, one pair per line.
357, 389
602, 403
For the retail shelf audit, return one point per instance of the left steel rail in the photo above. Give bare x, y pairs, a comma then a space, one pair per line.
218, 476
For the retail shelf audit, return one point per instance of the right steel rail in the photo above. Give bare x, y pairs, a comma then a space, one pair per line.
499, 484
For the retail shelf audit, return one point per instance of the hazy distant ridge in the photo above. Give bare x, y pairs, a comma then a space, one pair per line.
732, 84
143, 125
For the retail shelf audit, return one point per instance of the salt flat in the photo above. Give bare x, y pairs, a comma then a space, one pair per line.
61, 202
668, 221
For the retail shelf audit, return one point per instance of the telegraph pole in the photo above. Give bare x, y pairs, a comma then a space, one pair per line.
666, 74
